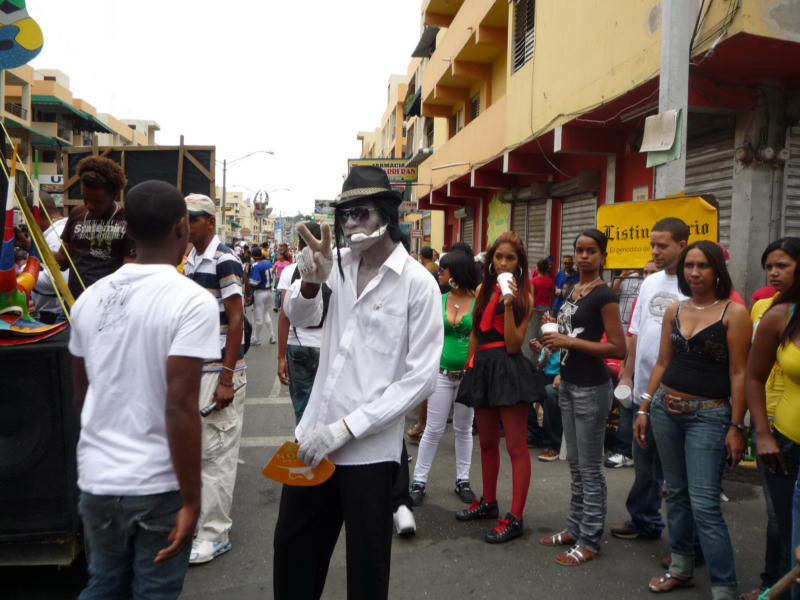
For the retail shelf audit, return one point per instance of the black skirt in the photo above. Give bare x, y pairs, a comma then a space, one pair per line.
498, 378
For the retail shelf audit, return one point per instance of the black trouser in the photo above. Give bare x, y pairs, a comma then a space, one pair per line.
308, 526
402, 483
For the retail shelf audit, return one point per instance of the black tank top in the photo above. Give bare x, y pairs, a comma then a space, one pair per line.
699, 365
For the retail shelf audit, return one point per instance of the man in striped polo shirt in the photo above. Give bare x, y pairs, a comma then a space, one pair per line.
215, 267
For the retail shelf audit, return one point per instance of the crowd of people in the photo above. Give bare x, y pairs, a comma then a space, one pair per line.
365, 334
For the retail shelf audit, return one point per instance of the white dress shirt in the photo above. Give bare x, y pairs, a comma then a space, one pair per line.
379, 355
44, 294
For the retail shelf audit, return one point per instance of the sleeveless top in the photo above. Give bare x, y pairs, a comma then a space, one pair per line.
787, 412
699, 365
456, 339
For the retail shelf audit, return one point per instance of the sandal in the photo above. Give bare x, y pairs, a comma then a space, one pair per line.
415, 434
668, 582
557, 539
575, 556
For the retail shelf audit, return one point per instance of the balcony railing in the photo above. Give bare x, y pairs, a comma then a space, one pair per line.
16, 109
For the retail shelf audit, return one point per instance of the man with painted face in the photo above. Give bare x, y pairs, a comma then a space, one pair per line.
381, 342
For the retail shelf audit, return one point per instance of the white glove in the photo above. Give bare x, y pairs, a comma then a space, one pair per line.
322, 442
316, 260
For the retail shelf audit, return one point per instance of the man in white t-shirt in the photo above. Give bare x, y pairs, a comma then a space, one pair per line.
668, 238
139, 339
298, 347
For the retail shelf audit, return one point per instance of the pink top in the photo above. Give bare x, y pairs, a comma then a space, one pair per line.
280, 265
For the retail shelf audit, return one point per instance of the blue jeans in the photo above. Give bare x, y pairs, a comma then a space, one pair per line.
303, 362
692, 451
125, 533
644, 499
625, 431
584, 410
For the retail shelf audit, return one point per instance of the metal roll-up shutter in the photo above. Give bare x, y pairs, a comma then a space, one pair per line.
519, 219
537, 233
578, 212
468, 230
709, 170
790, 220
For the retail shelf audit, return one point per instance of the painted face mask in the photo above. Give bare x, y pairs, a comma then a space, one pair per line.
362, 225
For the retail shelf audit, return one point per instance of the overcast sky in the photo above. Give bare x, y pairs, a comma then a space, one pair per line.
300, 78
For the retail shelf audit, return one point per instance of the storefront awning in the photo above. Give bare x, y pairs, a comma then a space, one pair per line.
37, 137
427, 42
94, 122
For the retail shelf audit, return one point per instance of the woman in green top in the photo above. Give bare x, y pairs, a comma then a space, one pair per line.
456, 269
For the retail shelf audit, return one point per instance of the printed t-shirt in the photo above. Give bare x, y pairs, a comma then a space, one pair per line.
125, 327
582, 319
298, 336
657, 292
542, 286
97, 245
261, 275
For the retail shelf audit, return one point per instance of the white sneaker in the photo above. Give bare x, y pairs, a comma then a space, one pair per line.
618, 460
404, 523
255, 342
204, 551
272, 340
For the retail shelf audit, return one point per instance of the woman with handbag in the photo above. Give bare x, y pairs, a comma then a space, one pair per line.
500, 383
695, 403
456, 269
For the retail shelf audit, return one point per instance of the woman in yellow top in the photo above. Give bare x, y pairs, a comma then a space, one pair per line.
772, 394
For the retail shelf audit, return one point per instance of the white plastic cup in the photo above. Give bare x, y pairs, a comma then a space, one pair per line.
550, 328
504, 281
624, 395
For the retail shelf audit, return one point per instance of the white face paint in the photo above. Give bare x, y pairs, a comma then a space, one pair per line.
362, 234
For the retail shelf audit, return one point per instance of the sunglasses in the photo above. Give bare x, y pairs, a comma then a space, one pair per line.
357, 213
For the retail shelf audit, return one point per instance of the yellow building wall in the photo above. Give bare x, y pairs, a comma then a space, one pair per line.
437, 229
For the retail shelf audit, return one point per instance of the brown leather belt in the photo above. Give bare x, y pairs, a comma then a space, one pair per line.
453, 375
677, 405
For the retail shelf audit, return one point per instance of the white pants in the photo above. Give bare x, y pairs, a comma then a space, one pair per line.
261, 310
439, 404
222, 431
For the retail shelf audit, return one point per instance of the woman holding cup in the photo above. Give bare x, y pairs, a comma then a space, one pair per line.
500, 383
590, 310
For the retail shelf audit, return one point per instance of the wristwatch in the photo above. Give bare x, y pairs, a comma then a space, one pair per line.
740, 426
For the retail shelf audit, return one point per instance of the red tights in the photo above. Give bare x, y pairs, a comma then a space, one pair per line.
515, 425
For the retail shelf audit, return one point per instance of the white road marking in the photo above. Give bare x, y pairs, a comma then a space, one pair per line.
262, 401
267, 441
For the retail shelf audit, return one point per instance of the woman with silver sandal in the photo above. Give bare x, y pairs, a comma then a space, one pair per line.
695, 402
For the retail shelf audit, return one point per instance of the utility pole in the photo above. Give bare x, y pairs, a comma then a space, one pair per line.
222, 206
673, 87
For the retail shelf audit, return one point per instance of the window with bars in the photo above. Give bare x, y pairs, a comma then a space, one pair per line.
474, 106
524, 32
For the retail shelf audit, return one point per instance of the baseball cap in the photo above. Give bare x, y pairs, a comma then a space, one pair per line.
198, 204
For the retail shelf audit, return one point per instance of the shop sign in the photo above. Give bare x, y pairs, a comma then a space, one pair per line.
627, 226
416, 233
395, 168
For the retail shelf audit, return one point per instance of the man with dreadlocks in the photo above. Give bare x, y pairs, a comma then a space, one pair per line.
96, 234
381, 342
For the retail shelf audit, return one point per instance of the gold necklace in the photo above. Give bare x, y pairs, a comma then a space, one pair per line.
704, 307
582, 291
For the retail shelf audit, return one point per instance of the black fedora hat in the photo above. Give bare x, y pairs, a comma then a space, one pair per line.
366, 182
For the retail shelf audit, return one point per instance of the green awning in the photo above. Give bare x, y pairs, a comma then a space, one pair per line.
55, 101
40, 139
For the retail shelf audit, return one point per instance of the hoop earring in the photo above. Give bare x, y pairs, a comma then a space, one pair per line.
519, 268
492, 269
452, 283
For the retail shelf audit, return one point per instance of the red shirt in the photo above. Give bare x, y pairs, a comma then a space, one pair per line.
765, 292
542, 287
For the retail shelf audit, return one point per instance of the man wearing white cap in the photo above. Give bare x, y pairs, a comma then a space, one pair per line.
215, 267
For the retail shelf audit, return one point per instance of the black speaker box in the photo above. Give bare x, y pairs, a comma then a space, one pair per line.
38, 434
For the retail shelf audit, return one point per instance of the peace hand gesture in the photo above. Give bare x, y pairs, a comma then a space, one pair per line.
316, 259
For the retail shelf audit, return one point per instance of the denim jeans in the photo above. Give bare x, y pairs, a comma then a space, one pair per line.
778, 490
692, 451
644, 499
625, 431
552, 429
584, 410
303, 362
125, 533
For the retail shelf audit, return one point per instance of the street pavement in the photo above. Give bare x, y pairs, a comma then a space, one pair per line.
446, 558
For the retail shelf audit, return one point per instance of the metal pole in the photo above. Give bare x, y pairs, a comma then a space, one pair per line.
222, 208
673, 87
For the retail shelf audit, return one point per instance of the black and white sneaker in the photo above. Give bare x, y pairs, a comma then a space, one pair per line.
464, 491
417, 493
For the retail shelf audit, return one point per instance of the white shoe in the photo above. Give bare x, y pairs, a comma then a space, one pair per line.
404, 523
255, 342
204, 551
618, 460
272, 340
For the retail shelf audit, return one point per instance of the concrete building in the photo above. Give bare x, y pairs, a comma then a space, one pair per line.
538, 111
239, 220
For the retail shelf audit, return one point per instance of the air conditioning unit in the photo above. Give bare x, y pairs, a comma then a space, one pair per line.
463, 213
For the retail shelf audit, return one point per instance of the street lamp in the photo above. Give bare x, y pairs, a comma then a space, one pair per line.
225, 172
